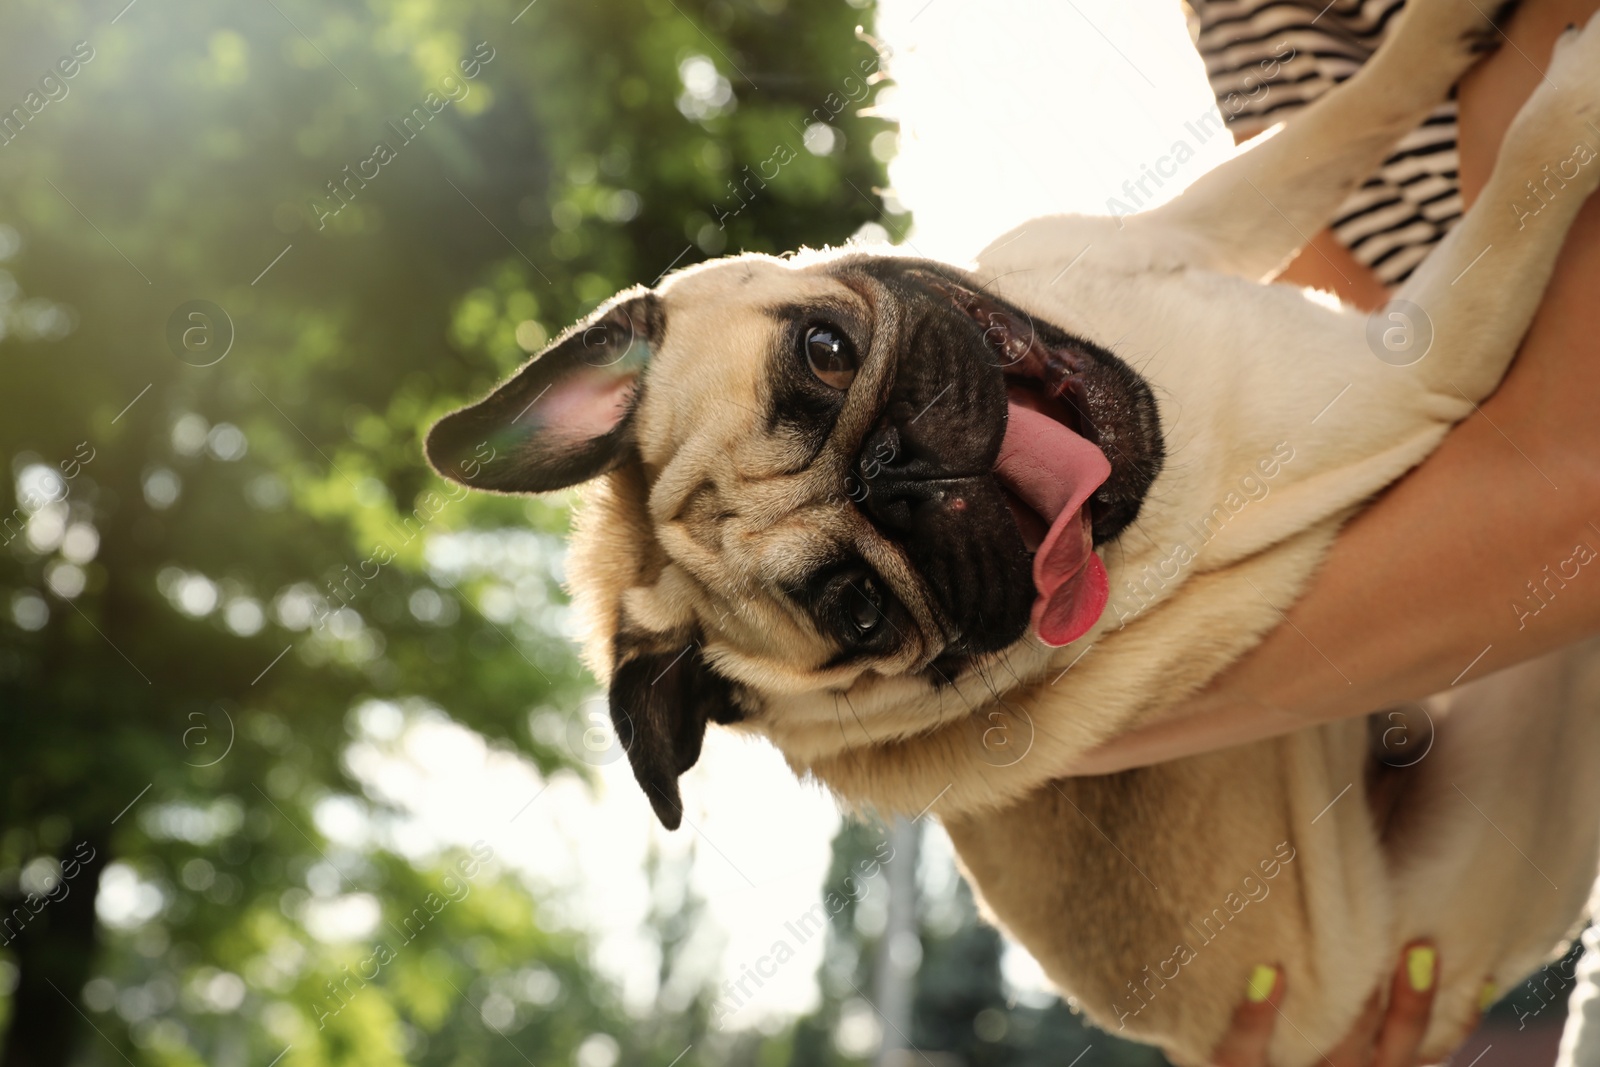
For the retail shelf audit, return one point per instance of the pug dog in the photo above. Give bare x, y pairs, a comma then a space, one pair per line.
924, 528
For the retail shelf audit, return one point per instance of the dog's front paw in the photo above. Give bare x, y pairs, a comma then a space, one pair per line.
1487, 31
1561, 118
1434, 42
1574, 72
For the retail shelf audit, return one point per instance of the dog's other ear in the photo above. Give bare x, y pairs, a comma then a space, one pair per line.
660, 704
564, 417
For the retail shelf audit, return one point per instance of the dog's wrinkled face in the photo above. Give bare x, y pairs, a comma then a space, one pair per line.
817, 471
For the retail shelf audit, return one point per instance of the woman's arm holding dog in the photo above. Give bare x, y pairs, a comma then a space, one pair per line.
1466, 565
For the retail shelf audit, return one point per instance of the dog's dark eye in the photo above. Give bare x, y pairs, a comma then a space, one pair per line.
831, 356
865, 607
853, 606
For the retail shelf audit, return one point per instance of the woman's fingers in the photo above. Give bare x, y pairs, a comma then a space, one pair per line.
1245, 1043
1356, 1048
1410, 1004
1388, 1033
1488, 993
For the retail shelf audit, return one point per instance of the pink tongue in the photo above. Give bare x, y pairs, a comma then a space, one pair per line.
1053, 471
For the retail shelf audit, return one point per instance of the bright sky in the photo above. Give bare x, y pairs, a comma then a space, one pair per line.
1009, 110
1012, 109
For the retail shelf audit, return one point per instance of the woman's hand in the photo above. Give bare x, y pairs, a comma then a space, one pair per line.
1380, 1037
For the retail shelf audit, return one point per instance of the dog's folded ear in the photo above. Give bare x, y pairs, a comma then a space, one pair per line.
564, 417
660, 704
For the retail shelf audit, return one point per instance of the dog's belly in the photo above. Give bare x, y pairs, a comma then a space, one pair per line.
1149, 896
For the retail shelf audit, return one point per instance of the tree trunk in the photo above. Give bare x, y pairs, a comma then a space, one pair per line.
53, 950
895, 972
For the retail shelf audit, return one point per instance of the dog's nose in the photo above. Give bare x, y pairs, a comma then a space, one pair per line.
881, 453
924, 478
900, 478
896, 450
894, 505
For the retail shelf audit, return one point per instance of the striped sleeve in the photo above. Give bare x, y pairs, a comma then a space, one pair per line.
1266, 59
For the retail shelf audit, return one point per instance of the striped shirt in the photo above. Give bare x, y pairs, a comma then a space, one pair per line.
1268, 58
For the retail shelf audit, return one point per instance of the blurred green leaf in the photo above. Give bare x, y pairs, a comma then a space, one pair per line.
215, 548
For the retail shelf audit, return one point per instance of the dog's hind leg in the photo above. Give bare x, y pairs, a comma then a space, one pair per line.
1478, 290
1251, 214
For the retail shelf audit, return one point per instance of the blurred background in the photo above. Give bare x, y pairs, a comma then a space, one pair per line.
297, 763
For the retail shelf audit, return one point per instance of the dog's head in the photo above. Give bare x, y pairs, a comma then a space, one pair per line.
820, 472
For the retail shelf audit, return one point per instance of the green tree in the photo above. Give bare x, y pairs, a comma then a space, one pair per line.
222, 538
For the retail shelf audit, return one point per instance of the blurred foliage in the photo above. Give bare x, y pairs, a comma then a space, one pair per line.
219, 539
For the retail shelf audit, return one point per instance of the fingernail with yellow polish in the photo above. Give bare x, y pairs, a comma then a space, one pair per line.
1489, 994
1421, 960
1263, 980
